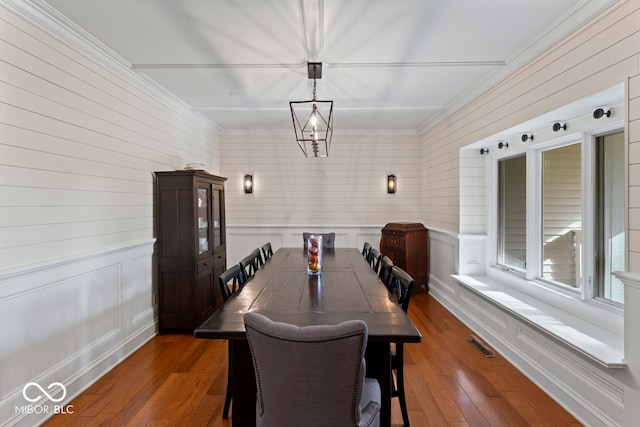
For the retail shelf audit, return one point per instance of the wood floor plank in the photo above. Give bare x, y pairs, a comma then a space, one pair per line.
177, 380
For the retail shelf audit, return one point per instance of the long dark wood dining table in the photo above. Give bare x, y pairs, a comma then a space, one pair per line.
348, 288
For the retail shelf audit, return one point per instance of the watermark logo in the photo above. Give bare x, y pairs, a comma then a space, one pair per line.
34, 393
44, 393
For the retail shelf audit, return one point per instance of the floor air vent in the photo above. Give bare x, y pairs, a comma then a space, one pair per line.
482, 348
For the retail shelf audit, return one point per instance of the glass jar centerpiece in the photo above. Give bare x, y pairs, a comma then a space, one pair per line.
314, 253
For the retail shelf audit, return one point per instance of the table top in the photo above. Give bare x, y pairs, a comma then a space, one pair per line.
348, 288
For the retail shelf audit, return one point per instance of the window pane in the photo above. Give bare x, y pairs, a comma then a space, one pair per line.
562, 215
512, 226
610, 238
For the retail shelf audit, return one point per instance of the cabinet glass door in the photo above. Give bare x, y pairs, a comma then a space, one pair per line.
203, 220
217, 217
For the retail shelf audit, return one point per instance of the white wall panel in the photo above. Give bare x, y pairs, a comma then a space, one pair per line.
80, 139
48, 316
346, 188
472, 192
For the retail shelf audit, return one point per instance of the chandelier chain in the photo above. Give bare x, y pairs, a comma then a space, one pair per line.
314, 88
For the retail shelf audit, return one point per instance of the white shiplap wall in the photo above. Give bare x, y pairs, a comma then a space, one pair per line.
345, 192
633, 138
594, 58
78, 146
600, 55
348, 187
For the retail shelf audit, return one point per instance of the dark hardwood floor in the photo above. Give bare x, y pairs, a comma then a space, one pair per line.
177, 380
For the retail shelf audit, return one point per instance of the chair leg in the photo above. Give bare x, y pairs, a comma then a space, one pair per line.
229, 393
400, 383
227, 404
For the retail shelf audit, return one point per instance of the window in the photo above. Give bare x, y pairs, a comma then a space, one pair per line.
547, 226
562, 214
512, 213
610, 216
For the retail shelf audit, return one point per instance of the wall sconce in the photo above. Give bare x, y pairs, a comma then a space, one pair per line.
598, 113
247, 184
557, 126
392, 184
527, 137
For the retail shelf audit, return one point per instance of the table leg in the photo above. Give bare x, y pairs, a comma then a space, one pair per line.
378, 358
243, 403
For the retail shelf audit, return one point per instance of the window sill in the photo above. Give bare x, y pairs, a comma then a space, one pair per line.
600, 345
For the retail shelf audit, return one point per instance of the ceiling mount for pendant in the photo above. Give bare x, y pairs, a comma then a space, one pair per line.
314, 70
313, 120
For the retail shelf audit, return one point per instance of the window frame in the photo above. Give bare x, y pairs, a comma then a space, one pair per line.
595, 286
531, 281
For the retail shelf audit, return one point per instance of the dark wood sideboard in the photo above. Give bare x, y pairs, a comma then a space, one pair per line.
407, 244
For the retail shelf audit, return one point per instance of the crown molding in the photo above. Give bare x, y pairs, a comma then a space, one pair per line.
44, 17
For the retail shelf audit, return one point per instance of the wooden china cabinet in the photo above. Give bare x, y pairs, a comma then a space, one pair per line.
407, 244
190, 247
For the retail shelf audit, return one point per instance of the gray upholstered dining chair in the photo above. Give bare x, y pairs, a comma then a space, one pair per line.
328, 240
311, 376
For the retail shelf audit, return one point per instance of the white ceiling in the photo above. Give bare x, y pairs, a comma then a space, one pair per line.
388, 65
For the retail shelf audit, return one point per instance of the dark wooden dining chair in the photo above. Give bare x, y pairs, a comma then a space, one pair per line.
365, 250
258, 255
267, 251
384, 270
401, 284
312, 376
328, 240
231, 281
374, 259
251, 263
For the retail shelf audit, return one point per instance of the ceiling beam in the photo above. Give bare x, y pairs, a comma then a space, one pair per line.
312, 12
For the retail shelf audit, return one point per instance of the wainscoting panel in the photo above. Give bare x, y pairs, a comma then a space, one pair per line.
540, 350
70, 322
443, 254
484, 314
47, 316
